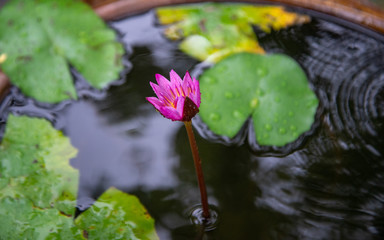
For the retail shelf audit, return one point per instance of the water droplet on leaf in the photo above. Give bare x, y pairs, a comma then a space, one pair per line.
259, 92
254, 102
268, 127
282, 131
276, 120
228, 95
214, 117
237, 114
262, 72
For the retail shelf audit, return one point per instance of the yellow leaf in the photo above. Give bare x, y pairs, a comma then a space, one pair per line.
211, 32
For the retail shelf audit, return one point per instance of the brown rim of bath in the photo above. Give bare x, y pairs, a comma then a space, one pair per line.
361, 12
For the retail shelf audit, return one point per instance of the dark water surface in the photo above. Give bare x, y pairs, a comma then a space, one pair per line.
330, 187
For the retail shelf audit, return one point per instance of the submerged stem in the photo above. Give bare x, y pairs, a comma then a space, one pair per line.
199, 170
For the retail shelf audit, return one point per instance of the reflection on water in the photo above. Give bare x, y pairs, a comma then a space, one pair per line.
129, 155
330, 187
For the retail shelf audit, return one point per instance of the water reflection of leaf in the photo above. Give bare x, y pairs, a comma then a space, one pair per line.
214, 31
39, 38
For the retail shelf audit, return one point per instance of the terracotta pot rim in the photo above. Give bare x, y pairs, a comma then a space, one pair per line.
354, 11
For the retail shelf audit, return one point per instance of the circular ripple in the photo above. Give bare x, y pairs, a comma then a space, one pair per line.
358, 102
197, 219
343, 175
346, 69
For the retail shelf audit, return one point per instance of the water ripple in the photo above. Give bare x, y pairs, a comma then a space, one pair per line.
345, 67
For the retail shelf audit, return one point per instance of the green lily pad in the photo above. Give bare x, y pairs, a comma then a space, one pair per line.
39, 187
117, 215
213, 31
34, 158
39, 39
38, 191
19, 219
271, 89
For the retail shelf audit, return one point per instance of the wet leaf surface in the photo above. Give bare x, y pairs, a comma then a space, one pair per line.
38, 190
117, 215
214, 31
272, 89
39, 187
40, 39
20, 219
35, 161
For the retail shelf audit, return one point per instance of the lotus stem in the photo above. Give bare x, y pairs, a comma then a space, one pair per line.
199, 170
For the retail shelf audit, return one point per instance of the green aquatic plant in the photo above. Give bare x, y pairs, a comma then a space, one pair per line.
38, 189
34, 162
117, 215
212, 31
246, 82
270, 89
39, 40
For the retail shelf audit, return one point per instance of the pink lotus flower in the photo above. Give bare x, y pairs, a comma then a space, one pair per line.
178, 100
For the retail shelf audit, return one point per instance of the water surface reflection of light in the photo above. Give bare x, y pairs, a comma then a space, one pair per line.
118, 157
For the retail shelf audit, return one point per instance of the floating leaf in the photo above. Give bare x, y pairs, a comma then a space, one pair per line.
39, 187
41, 38
38, 191
19, 219
213, 31
272, 89
34, 157
117, 215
